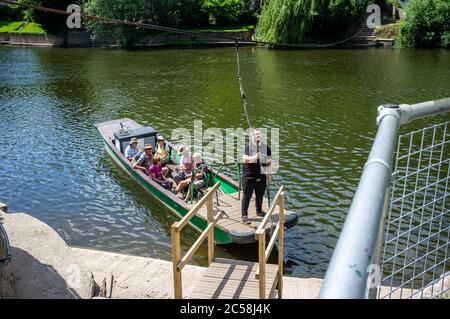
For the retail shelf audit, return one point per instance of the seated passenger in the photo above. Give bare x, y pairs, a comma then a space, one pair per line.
144, 161
162, 150
186, 161
131, 150
199, 178
156, 173
185, 165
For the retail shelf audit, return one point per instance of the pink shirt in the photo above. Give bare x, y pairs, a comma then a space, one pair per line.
187, 162
155, 169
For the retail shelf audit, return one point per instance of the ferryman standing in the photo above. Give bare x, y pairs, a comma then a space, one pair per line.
256, 173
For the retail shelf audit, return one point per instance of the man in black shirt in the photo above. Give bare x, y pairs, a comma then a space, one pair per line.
255, 173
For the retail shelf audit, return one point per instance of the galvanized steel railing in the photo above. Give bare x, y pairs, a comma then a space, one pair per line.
415, 257
358, 250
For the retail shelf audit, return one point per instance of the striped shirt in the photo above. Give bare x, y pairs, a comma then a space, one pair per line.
131, 151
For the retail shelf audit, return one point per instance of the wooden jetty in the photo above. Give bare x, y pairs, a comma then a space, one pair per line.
227, 278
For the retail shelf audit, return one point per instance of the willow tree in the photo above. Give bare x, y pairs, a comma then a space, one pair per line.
297, 21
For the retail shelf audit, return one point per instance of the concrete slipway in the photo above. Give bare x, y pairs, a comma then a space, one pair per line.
44, 266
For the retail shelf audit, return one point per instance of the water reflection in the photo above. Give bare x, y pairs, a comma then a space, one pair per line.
324, 103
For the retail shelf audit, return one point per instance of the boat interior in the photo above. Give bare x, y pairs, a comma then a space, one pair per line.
148, 135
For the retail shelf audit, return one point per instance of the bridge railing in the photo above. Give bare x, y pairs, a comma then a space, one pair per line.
415, 253
358, 251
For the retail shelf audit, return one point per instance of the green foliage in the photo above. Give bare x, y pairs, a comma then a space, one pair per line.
228, 9
225, 29
52, 23
445, 39
388, 31
232, 11
32, 27
395, 3
427, 24
10, 13
137, 10
21, 27
294, 21
191, 13
9, 27
250, 11
161, 12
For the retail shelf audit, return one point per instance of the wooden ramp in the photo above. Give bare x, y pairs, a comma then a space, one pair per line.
226, 278
233, 279
231, 219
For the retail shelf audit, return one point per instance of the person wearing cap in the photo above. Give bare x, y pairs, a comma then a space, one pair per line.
145, 160
256, 170
131, 150
162, 150
199, 178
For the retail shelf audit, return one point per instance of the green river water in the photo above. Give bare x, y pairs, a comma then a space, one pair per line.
53, 164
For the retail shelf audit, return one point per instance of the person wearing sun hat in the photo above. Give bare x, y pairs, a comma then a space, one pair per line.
132, 150
199, 178
162, 150
145, 160
186, 161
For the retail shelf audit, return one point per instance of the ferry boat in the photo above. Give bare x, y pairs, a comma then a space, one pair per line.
229, 229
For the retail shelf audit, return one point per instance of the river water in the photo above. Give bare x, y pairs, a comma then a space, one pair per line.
53, 164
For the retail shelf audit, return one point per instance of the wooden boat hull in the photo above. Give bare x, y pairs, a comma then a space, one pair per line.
220, 236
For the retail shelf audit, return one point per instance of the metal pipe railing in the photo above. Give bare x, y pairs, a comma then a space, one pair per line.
359, 243
417, 111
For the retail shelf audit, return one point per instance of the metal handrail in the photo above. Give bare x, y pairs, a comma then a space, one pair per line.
360, 242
